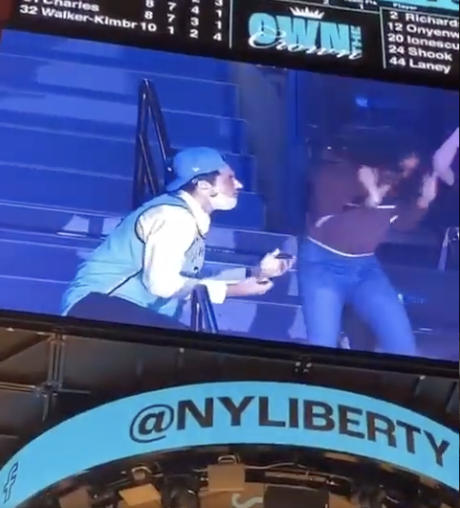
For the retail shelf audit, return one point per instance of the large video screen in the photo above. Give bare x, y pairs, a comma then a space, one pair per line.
173, 191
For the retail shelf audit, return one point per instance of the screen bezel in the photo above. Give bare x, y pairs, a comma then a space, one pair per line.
205, 50
294, 353
221, 343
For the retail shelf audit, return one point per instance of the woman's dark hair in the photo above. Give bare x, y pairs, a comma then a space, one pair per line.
384, 148
408, 146
409, 187
372, 147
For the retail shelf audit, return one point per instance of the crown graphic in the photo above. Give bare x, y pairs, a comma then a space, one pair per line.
307, 13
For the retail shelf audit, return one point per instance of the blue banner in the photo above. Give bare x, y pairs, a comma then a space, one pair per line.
233, 413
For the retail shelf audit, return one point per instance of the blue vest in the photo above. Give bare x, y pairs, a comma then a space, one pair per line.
115, 268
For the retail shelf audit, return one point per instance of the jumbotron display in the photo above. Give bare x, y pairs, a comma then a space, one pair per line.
415, 40
185, 193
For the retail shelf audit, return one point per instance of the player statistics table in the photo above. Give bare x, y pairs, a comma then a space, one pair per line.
412, 40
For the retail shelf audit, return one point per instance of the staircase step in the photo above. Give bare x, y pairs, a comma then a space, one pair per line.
31, 296
55, 263
87, 153
111, 55
48, 219
115, 119
37, 185
40, 185
59, 149
53, 258
244, 167
249, 214
421, 290
30, 218
45, 219
244, 243
57, 258
43, 296
115, 84
258, 320
271, 322
249, 242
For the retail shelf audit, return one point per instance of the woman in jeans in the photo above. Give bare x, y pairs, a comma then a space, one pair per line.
351, 214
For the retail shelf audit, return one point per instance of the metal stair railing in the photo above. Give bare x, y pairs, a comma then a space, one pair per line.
203, 315
150, 179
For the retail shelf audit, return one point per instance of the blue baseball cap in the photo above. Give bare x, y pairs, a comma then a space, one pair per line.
193, 162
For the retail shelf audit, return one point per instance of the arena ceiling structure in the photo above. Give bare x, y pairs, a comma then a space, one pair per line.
48, 378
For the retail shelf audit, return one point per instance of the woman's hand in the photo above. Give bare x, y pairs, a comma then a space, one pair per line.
369, 178
429, 191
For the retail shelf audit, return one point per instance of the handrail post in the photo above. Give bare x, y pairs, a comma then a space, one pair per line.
203, 315
146, 174
194, 320
139, 160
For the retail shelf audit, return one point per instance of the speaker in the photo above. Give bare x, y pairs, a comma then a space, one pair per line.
295, 498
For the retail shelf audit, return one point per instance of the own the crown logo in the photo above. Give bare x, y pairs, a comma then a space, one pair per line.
307, 13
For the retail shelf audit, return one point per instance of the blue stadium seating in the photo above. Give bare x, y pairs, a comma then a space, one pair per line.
68, 113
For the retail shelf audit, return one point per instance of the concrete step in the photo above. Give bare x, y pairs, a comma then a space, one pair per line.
63, 149
118, 120
422, 291
111, 55
43, 296
57, 258
250, 243
248, 320
86, 153
31, 218
85, 223
66, 188
176, 93
245, 244
249, 214
95, 193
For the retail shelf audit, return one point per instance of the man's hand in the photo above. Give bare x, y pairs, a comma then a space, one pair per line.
249, 287
273, 265
429, 191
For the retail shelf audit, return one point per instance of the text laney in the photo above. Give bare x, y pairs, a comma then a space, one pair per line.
298, 414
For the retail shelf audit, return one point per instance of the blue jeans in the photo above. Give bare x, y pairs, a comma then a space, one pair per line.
328, 281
